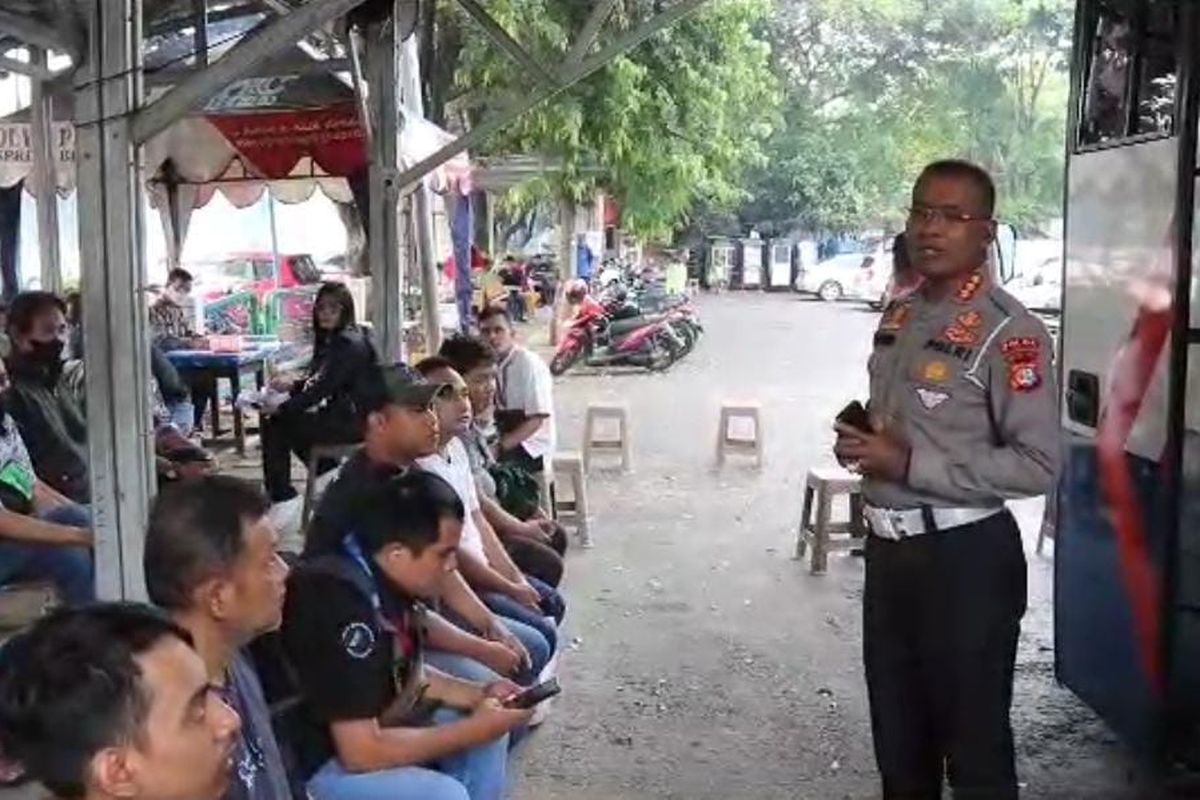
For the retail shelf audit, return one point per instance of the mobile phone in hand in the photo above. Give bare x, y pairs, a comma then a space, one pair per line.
855, 415
534, 695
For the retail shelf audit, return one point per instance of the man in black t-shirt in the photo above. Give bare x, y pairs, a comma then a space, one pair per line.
401, 427
378, 723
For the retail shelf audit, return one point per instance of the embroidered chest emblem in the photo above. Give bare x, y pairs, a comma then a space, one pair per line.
931, 398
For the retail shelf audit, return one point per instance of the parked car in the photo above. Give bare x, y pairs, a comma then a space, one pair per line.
839, 276
875, 275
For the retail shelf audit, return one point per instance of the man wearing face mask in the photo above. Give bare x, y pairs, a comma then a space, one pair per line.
49, 418
43, 535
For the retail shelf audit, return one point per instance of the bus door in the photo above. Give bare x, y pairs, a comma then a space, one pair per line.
1123, 362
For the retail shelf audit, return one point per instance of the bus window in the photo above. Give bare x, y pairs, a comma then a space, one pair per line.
1131, 70
1158, 71
1110, 61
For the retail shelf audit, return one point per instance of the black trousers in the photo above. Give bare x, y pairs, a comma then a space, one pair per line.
542, 561
297, 432
941, 617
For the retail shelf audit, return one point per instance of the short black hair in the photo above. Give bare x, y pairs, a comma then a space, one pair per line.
958, 168
431, 364
196, 531
28, 306
406, 510
179, 275
495, 311
466, 353
70, 687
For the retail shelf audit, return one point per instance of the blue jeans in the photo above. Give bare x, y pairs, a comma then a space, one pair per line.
540, 649
183, 416
475, 774
553, 604
462, 667
506, 607
68, 568
534, 642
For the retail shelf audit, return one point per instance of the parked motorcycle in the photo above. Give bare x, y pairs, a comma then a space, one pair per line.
682, 319
601, 342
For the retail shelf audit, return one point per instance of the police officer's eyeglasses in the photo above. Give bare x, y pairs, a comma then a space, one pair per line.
936, 214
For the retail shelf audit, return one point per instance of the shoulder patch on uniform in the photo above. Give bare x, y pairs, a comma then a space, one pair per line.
1021, 349
358, 640
1024, 376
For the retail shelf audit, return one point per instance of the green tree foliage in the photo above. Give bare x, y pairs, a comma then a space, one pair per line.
675, 122
873, 89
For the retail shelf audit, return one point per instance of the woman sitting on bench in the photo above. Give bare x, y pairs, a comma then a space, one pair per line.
323, 405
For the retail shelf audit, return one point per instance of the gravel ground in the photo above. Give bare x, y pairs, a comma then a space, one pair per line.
704, 662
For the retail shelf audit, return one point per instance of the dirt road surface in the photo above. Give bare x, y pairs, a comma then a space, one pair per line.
704, 662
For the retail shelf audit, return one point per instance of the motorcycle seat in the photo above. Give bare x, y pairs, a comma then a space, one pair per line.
622, 326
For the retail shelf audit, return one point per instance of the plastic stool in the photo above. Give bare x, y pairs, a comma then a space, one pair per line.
826, 483
568, 467
623, 442
320, 452
726, 444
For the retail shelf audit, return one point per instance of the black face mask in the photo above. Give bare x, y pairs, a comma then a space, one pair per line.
47, 356
47, 352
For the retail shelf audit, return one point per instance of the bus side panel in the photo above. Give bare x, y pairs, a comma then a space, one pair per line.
1185, 656
1113, 514
1184, 708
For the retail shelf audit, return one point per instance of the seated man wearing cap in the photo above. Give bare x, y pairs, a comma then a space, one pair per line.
401, 427
377, 722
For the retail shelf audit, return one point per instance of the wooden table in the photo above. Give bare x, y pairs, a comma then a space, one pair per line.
231, 366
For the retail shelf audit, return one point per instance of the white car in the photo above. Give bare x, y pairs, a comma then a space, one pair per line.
837, 277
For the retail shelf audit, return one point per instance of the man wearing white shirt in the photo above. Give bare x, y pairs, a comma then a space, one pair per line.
482, 558
525, 402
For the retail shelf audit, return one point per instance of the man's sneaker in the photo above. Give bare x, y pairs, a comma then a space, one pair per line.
541, 712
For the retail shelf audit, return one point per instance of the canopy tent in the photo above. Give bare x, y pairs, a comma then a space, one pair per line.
287, 132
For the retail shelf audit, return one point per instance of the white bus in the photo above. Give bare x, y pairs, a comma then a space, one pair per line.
1127, 555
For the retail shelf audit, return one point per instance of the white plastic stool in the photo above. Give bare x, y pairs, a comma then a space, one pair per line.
568, 468
726, 443
623, 442
825, 483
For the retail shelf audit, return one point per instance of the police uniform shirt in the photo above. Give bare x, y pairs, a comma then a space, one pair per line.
345, 658
968, 381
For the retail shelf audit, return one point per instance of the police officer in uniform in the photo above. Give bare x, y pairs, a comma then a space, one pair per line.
962, 417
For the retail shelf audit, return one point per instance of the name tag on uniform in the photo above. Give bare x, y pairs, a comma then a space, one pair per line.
959, 351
